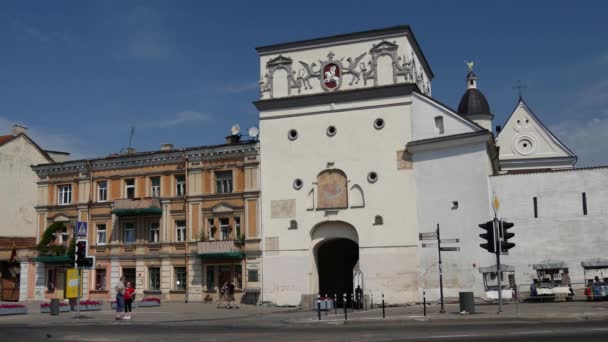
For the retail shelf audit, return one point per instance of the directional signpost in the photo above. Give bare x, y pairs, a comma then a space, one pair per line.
438, 241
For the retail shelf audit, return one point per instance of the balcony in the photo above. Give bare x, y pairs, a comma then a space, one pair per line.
137, 206
220, 249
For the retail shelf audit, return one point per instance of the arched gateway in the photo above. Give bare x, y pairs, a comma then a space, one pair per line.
336, 252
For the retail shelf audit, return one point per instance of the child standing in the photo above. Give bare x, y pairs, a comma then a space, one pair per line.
129, 297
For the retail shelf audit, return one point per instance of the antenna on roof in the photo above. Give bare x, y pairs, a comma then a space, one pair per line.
253, 132
131, 134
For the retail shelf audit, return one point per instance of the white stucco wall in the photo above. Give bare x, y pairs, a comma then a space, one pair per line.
357, 149
443, 176
423, 119
19, 190
561, 231
342, 51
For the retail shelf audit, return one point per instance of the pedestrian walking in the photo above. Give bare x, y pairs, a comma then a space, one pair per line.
231, 300
129, 298
223, 295
120, 298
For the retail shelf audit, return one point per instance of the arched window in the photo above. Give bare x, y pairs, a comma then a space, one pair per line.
331, 190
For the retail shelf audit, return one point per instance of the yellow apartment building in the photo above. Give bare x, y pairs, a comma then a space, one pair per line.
177, 223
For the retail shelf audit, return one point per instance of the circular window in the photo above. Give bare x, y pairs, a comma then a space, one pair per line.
297, 184
379, 123
331, 131
292, 134
372, 177
525, 145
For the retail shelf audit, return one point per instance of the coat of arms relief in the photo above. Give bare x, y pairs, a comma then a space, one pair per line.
331, 72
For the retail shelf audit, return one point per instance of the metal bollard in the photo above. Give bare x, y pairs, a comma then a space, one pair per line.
345, 307
424, 302
352, 301
383, 312
319, 306
326, 307
336, 303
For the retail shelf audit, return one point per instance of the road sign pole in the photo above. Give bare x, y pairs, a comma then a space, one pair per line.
497, 233
79, 290
440, 270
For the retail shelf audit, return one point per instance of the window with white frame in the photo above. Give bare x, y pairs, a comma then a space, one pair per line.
101, 234
130, 188
102, 191
237, 227
211, 228
63, 235
154, 229
180, 231
223, 182
129, 232
180, 185
155, 186
180, 278
225, 228
65, 194
154, 278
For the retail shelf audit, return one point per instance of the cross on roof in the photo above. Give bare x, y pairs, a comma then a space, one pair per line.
519, 85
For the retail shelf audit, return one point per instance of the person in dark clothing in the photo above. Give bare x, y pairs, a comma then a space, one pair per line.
231, 299
359, 297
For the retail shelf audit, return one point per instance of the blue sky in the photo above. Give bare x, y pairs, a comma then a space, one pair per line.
79, 73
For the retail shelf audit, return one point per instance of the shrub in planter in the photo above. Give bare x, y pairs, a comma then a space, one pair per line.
150, 301
46, 307
12, 309
90, 305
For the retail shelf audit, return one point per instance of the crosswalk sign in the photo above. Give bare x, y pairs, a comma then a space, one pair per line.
81, 230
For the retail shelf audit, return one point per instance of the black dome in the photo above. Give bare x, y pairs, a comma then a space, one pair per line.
473, 102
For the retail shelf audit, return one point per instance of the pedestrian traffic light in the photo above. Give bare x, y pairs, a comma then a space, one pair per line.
489, 236
505, 245
81, 252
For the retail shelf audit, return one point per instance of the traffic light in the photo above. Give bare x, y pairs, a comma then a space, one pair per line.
489, 236
81, 252
505, 245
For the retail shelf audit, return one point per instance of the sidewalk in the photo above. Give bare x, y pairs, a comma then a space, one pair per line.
167, 313
552, 311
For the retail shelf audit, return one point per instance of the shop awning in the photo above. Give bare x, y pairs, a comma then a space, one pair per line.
137, 206
550, 265
226, 255
137, 211
55, 259
492, 268
595, 263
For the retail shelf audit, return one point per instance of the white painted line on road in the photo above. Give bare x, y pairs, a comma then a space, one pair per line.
599, 329
532, 332
374, 340
457, 336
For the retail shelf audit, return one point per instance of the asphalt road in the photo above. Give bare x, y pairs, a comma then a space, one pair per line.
422, 331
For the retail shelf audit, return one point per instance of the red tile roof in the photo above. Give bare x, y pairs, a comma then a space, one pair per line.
5, 138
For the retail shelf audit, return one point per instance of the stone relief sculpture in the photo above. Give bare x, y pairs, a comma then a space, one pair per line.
402, 66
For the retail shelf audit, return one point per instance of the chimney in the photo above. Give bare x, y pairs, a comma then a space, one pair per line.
233, 139
18, 129
130, 150
498, 129
166, 147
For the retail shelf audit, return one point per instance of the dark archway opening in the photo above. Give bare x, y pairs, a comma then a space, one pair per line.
336, 259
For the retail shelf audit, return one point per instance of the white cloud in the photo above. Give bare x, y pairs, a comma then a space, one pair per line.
586, 138
48, 140
183, 118
39, 35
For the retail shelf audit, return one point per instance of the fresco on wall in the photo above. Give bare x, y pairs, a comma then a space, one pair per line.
332, 193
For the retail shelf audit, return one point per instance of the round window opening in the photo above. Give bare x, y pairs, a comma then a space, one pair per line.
292, 134
372, 177
379, 123
525, 146
297, 184
331, 131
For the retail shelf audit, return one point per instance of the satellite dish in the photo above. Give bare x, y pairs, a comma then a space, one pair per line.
253, 132
235, 129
